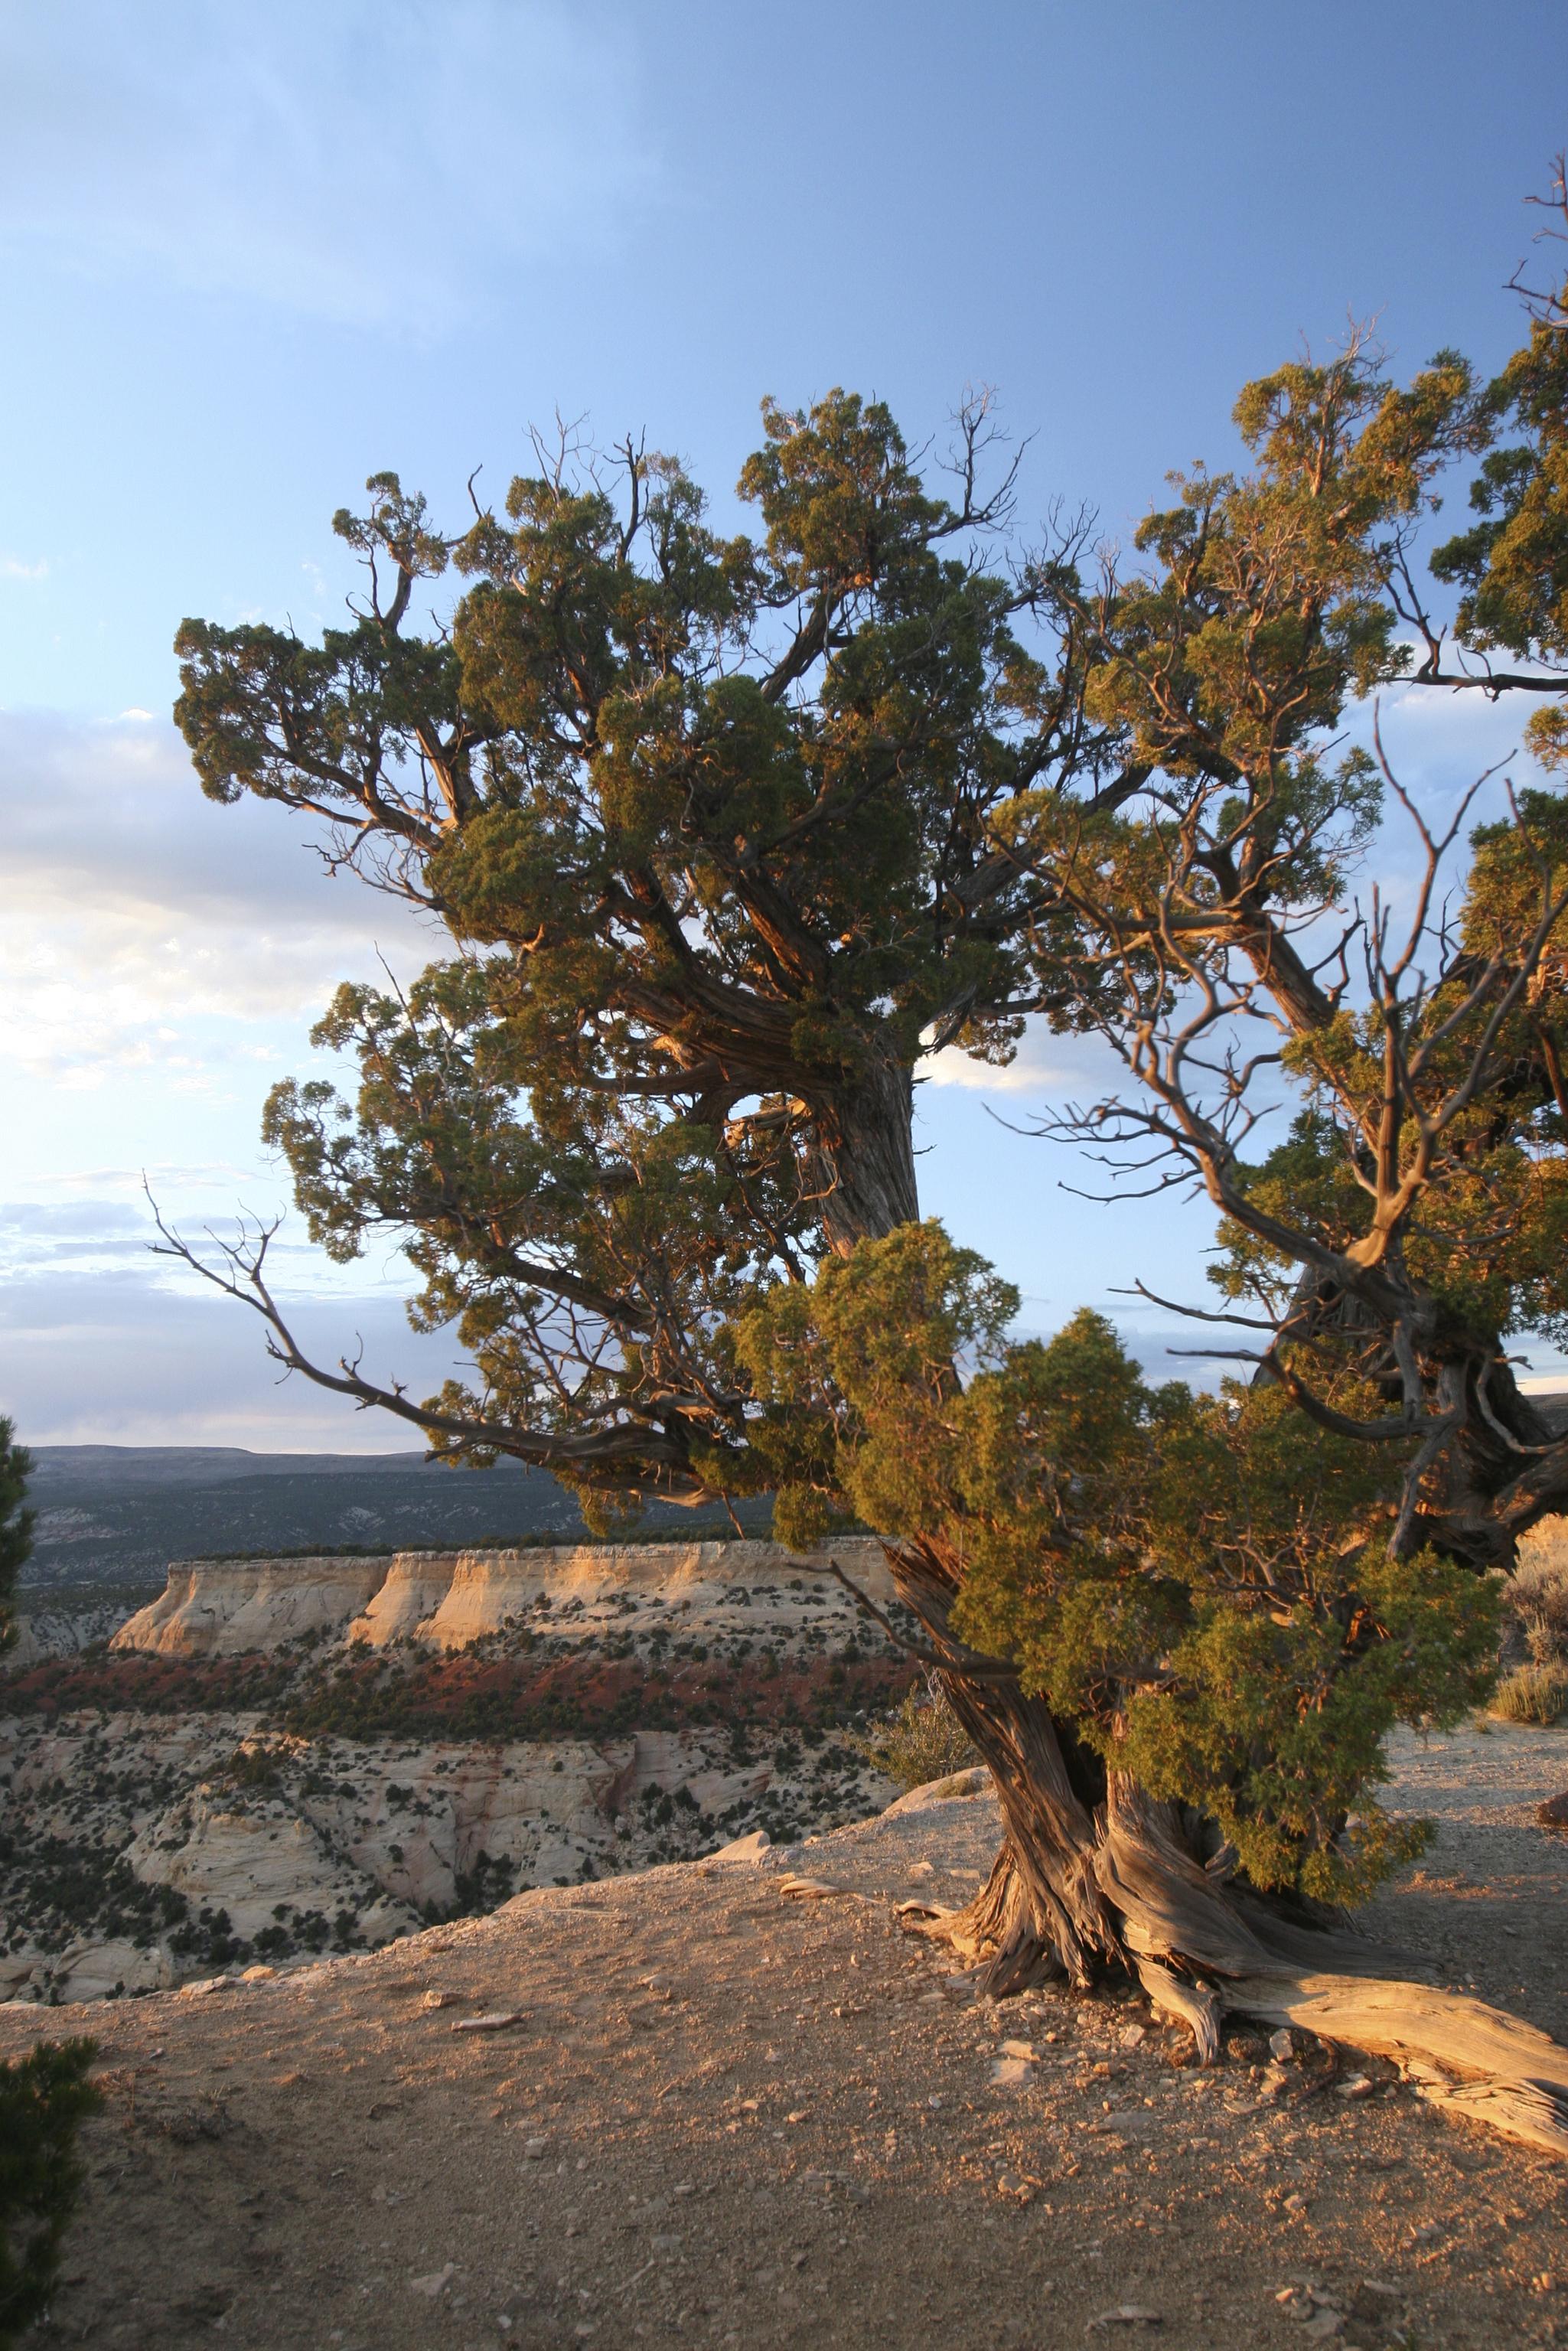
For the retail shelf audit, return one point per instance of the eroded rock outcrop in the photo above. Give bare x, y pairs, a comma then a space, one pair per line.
221, 1607
215, 1844
447, 1600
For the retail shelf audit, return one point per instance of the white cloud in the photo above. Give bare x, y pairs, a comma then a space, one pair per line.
356, 160
1036, 1068
148, 928
13, 568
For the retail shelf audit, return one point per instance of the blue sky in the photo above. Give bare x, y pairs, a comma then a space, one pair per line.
250, 256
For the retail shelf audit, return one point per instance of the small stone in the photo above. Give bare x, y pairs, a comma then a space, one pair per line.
495, 2023
919, 1870
1019, 2049
534, 2149
1324, 2325
1133, 2037
434, 2283
1281, 2045
1128, 2314
1357, 2086
1011, 2072
258, 1974
1014, 2184
1295, 2202
666, 2245
1553, 1813
1543, 2281
1374, 2302
436, 1999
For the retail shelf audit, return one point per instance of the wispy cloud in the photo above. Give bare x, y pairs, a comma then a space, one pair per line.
147, 928
113, 1357
358, 159
13, 568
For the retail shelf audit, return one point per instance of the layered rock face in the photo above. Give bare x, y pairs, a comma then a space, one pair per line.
182, 1847
446, 1599
444, 1730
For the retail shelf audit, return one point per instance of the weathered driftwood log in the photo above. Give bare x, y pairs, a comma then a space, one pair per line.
1092, 1873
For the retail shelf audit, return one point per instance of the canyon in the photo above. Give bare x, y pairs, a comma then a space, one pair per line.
281, 1757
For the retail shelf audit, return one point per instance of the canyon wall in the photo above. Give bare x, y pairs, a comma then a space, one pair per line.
444, 1600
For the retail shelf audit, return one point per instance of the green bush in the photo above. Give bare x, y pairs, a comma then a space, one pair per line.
1536, 1694
44, 2099
920, 1740
1199, 1587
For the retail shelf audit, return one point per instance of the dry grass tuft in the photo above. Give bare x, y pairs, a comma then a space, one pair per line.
1537, 1694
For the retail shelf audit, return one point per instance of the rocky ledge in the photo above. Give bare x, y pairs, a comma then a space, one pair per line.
447, 1600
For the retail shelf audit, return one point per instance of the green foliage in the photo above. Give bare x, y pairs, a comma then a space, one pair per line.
711, 822
45, 2098
1511, 565
1200, 1585
920, 1740
16, 1523
1490, 1245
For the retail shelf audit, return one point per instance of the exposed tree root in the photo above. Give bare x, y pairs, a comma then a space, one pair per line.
1512, 2077
1082, 1884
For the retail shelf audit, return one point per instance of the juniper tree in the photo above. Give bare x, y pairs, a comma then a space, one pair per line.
1511, 565
712, 822
729, 833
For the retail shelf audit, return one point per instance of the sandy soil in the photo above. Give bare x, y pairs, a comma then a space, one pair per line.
725, 2116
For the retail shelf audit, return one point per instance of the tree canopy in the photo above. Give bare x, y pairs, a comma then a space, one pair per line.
713, 824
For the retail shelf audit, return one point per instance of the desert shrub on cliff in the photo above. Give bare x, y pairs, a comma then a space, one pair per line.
922, 1739
45, 2098
1538, 1602
1532, 1694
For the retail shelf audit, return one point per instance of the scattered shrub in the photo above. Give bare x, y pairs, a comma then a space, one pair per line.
1537, 1599
1536, 1694
920, 1740
44, 2099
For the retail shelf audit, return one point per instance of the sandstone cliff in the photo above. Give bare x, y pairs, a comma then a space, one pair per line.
445, 1600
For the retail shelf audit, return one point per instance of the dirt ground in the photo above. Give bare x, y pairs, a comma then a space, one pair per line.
726, 2116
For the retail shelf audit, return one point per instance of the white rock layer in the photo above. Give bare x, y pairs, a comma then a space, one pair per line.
224, 1608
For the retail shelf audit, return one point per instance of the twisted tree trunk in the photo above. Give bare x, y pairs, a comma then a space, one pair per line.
1092, 1873
862, 1155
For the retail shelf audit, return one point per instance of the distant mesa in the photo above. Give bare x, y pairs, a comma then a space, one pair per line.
444, 1600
